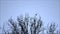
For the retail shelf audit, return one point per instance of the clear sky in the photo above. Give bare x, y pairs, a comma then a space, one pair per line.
49, 10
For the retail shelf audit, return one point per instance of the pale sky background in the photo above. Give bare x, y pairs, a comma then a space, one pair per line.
49, 10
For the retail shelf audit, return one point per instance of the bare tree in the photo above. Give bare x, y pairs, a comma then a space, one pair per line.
52, 28
13, 26
21, 26
36, 25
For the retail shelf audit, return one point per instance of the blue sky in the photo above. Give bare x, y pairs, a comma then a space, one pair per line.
49, 10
